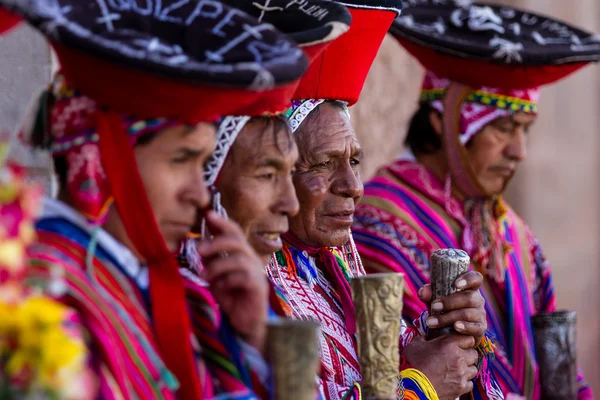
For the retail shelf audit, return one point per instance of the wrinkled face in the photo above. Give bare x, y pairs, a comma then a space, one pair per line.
327, 180
496, 151
171, 166
256, 183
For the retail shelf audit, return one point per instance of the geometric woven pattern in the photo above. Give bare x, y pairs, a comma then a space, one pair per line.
228, 130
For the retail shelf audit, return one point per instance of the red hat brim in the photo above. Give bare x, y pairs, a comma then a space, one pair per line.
8, 20
148, 95
478, 73
278, 100
339, 72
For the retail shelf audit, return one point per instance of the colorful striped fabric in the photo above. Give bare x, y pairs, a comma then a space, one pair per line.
406, 214
115, 311
303, 292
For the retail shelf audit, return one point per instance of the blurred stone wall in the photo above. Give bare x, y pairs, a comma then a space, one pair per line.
557, 190
25, 69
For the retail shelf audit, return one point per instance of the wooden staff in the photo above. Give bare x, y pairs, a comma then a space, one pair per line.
446, 266
378, 302
555, 334
293, 350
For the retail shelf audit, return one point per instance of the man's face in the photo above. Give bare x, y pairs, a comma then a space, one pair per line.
496, 151
327, 179
256, 184
171, 166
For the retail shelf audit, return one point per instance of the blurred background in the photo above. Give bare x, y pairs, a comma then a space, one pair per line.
557, 189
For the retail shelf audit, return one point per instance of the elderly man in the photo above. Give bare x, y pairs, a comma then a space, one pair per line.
446, 191
255, 186
129, 150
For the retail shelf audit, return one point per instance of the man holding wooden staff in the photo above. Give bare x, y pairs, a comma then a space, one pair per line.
479, 99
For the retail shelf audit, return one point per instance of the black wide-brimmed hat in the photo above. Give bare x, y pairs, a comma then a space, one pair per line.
189, 60
492, 45
307, 22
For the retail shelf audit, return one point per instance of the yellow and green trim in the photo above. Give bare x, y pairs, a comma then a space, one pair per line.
502, 102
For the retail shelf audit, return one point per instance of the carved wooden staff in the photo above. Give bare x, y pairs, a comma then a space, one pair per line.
378, 302
554, 335
293, 349
446, 266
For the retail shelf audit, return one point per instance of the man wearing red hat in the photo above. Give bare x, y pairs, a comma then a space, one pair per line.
130, 124
479, 99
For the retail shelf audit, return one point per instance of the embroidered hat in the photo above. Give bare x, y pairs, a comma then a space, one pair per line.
482, 106
152, 61
492, 45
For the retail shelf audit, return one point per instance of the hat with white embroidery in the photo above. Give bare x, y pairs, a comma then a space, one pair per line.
492, 45
192, 61
484, 62
312, 24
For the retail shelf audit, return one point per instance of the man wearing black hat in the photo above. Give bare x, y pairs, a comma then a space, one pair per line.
479, 98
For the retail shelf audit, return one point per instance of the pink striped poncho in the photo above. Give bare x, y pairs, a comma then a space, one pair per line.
406, 214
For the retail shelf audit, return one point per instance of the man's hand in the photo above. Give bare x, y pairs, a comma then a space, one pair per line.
236, 278
464, 310
448, 362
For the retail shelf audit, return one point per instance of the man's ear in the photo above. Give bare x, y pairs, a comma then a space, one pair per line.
435, 119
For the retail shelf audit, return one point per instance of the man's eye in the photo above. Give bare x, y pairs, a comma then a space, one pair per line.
505, 128
323, 164
267, 177
179, 160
